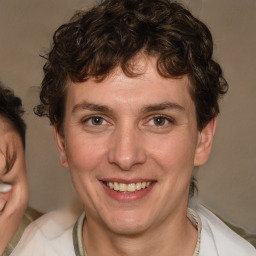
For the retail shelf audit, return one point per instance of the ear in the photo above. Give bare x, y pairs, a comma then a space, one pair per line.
60, 143
204, 143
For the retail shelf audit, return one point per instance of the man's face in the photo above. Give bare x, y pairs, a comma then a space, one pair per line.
131, 145
13, 181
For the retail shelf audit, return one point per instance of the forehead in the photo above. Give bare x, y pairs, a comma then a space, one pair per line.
147, 87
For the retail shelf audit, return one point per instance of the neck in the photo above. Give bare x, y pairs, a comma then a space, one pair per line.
176, 236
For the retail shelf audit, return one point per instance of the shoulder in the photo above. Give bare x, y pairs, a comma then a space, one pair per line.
219, 239
51, 234
29, 216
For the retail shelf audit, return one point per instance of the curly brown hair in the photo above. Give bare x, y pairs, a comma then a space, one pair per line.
11, 108
112, 33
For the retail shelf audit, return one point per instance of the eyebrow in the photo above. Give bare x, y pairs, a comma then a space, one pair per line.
91, 106
162, 106
103, 108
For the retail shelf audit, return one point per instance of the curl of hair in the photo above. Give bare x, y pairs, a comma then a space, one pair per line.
113, 33
11, 108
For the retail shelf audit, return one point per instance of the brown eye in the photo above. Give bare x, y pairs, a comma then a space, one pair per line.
97, 120
159, 121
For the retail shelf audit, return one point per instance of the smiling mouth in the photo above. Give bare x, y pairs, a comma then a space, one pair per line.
128, 188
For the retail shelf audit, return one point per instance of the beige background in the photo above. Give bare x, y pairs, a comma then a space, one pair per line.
227, 183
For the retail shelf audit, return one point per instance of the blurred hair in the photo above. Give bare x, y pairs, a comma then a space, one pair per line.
11, 108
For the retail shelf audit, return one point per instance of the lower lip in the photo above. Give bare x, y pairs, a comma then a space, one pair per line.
129, 196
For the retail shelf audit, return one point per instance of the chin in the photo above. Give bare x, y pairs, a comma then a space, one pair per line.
128, 230
127, 224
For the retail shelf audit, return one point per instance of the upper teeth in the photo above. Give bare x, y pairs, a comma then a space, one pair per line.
5, 187
132, 187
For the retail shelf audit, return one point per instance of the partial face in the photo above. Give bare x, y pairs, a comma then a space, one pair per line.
13, 181
131, 145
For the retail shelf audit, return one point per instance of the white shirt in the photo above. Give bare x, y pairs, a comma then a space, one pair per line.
51, 235
218, 239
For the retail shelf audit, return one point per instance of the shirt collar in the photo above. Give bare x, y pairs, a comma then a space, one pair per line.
78, 241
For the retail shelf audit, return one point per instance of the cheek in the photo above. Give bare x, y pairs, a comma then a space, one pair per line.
22, 183
174, 150
174, 153
2, 164
85, 154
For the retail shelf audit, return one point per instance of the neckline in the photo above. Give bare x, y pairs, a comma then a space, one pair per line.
78, 228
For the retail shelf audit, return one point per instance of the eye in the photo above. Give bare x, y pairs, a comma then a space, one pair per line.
95, 121
160, 121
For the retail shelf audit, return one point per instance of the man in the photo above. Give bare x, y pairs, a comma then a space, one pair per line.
132, 91
14, 217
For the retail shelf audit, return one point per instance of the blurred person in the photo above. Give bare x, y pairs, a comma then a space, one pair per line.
14, 213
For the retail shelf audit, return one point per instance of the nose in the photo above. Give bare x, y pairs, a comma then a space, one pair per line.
127, 149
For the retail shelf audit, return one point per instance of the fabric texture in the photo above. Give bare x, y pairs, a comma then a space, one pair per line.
80, 250
29, 216
251, 238
217, 239
50, 235
54, 234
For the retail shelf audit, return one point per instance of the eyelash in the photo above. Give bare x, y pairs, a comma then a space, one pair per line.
102, 119
90, 118
165, 118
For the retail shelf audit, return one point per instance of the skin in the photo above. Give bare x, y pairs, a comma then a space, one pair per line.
127, 130
12, 171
